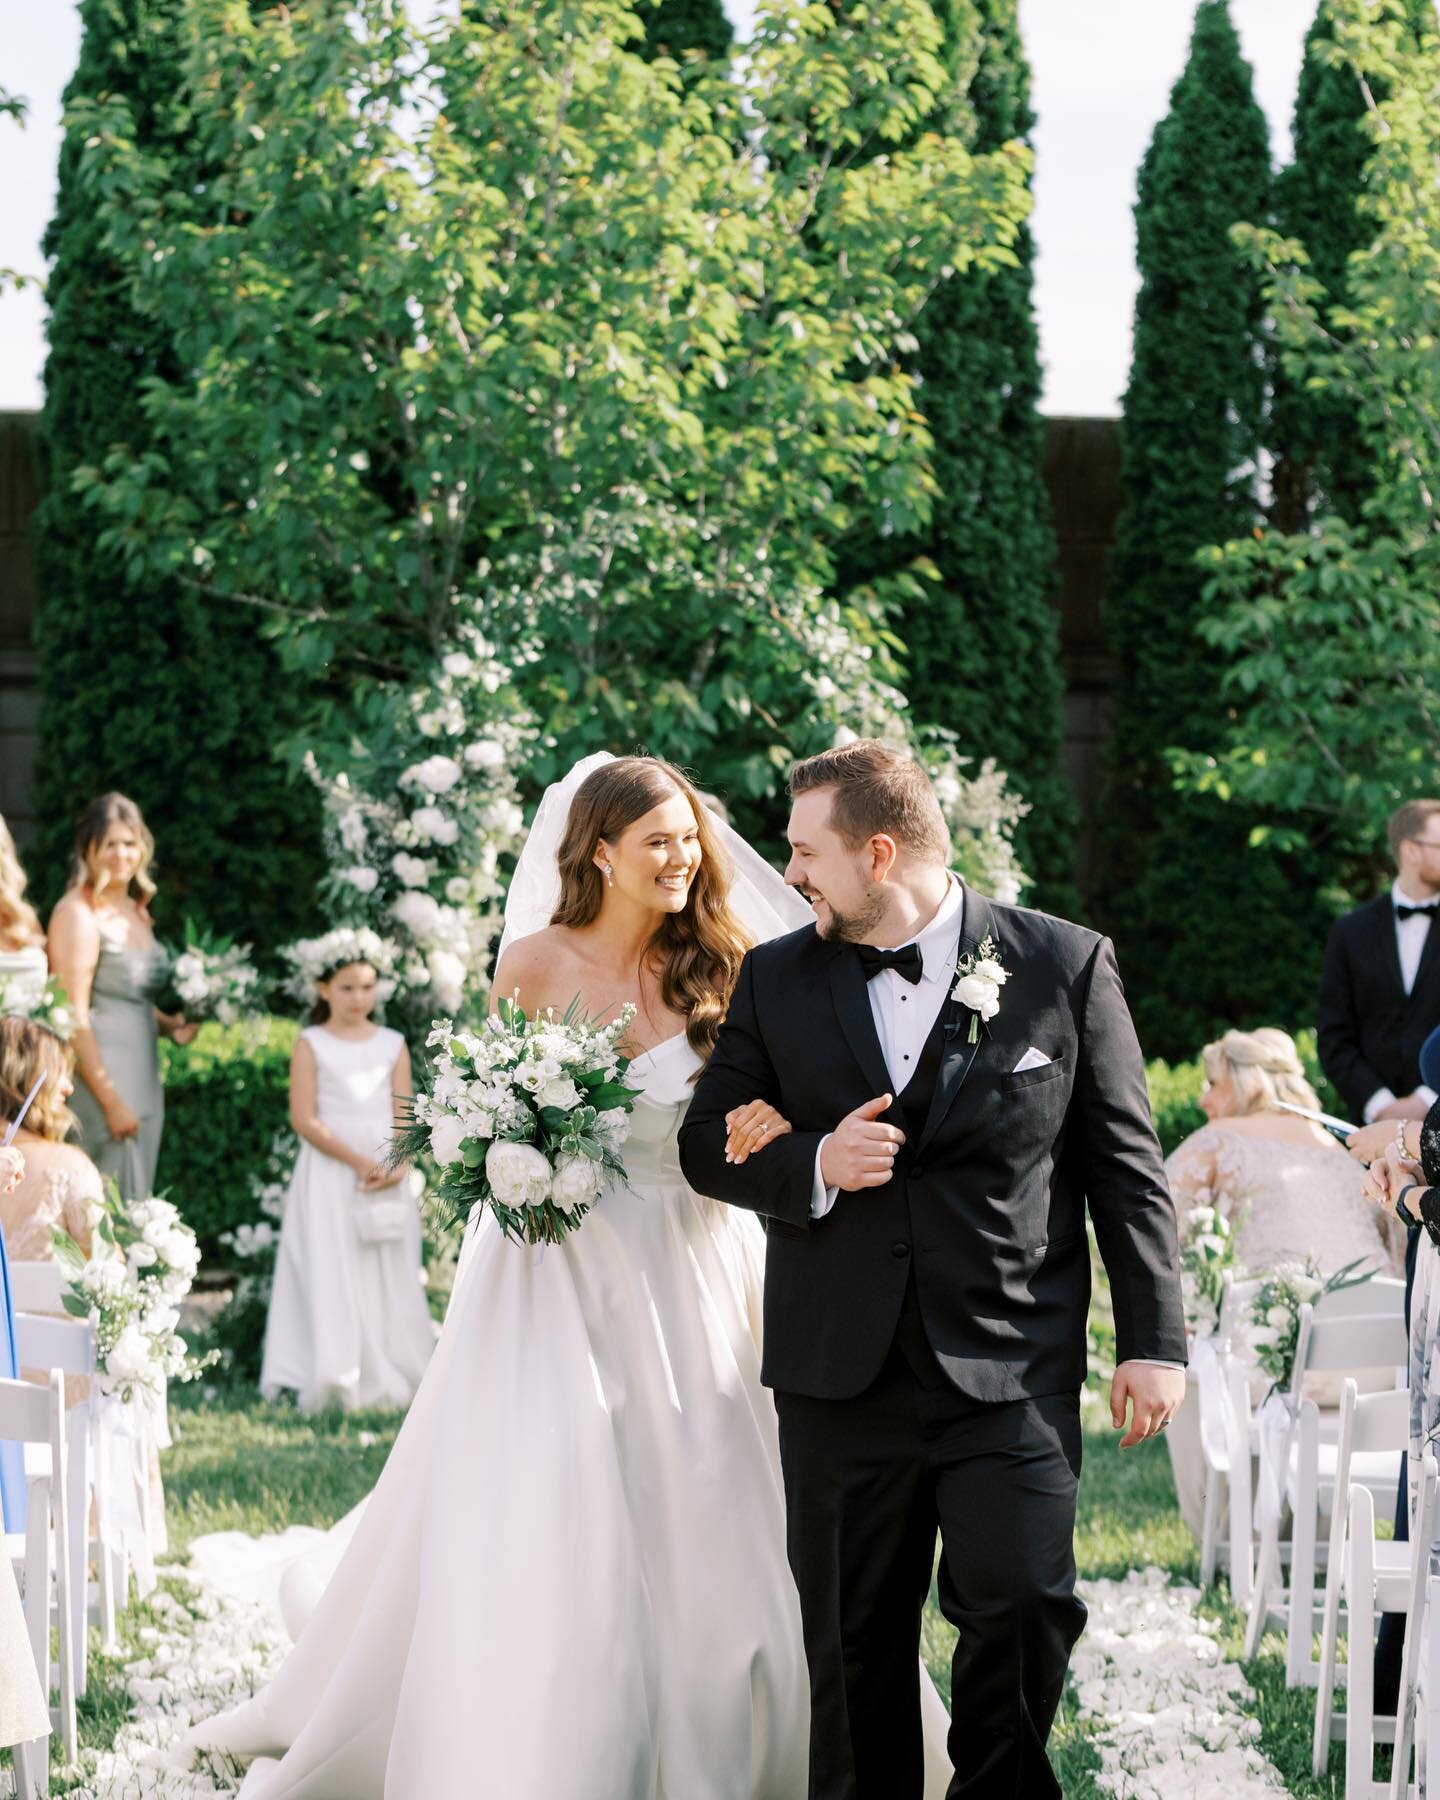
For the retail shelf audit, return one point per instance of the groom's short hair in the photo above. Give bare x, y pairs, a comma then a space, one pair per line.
878, 792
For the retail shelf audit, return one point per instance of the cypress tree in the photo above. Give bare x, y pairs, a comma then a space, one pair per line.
675, 27
1209, 931
146, 687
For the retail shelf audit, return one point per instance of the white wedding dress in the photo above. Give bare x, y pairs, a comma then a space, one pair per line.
570, 1582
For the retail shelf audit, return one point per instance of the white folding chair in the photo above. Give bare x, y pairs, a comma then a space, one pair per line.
1380, 1578
69, 1346
1377, 1425
31, 1414
1226, 1446
1334, 1337
38, 1287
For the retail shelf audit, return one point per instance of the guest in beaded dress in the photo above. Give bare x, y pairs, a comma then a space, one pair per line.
103, 948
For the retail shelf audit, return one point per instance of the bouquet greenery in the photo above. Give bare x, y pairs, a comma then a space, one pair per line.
140, 1268
525, 1116
1274, 1326
1207, 1251
209, 977
44, 1001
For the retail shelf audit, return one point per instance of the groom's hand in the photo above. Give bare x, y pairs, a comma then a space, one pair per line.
1154, 1395
861, 1152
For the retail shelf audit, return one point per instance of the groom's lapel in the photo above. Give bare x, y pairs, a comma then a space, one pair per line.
958, 1052
852, 1006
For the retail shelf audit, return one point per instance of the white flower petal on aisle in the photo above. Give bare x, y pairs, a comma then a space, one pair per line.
1173, 1715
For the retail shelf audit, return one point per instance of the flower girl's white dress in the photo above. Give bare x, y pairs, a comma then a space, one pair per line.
348, 1323
570, 1582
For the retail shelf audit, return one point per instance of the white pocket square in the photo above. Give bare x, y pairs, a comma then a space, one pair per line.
1032, 1059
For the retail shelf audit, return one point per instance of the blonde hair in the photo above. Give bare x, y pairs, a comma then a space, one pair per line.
1265, 1068
87, 876
27, 1049
19, 921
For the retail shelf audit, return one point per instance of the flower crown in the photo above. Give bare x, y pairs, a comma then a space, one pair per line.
312, 959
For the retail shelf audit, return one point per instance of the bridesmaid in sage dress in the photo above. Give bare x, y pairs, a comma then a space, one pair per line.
103, 948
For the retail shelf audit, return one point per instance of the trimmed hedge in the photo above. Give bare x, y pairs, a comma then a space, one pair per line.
228, 1094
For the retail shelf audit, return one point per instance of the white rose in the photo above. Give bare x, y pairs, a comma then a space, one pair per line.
456, 663
518, 1174
180, 1251
364, 880
447, 977
155, 1231
457, 889
159, 1321
432, 826
419, 913
978, 994
485, 753
140, 1256
130, 1356
990, 970
1280, 1317
437, 774
576, 1183
103, 1278
558, 1090
447, 1134
1262, 1338
413, 871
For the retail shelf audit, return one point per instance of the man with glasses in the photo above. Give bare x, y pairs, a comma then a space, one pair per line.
1379, 1001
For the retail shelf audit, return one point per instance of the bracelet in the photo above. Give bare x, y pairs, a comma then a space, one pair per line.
1400, 1137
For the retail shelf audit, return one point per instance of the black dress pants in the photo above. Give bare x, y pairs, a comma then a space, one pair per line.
868, 1482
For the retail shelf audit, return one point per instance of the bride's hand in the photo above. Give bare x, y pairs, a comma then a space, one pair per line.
751, 1128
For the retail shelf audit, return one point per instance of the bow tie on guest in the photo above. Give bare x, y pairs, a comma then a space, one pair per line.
1402, 913
905, 962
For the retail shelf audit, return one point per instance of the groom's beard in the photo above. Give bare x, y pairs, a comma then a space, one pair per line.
855, 927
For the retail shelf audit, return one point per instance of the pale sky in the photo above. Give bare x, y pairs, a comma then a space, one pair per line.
1102, 70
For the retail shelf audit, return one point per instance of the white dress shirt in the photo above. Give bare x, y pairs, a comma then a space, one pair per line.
1410, 936
904, 1011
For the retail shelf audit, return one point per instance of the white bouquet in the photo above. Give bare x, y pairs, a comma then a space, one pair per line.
1273, 1329
525, 1116
1206, 1252
209, 977
45, 1001
140, 1268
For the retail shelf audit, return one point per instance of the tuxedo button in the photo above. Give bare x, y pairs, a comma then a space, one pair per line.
901, 1250
918, 1172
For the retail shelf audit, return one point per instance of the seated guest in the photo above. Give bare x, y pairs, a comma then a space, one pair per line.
1285, 1186
23, 964
60, 1187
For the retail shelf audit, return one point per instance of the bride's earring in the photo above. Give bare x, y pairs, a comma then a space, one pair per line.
608, 872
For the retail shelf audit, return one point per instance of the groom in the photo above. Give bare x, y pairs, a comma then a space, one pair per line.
927, 1272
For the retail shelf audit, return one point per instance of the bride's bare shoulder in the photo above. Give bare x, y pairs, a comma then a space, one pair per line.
536, 967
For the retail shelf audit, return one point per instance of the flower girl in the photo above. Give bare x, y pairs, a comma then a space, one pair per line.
348, 1323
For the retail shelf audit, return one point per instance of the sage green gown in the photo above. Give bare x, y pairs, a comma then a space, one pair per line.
122, 1014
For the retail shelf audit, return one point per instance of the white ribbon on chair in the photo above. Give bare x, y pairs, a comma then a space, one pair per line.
1275, 1422
1211, 1397
125, 1430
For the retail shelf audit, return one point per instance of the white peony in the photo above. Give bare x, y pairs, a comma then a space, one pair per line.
485, 753
518, 1174
420, 914
577, 1182
447, 1135
180, 1251
558, 1090
447, 977
362, 878
141, 1256
155, 1231
103, 1278
457, 889
130, 1357
432, 826
979, 994
413, 871
437, 774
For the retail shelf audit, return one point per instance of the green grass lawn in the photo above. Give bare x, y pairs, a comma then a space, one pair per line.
240, 1465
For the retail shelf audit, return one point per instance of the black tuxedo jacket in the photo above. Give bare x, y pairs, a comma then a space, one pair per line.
987, 1204
1370, 1030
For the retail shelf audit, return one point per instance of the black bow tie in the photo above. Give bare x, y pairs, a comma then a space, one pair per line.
1416, 912
906, 963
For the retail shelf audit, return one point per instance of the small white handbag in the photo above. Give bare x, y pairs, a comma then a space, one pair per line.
381, 1221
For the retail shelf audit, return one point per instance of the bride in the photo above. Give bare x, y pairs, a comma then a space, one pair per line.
571, 1578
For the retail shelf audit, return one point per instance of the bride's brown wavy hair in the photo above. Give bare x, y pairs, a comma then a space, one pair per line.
700, 949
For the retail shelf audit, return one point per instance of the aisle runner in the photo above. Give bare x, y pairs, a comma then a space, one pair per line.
1171, 1714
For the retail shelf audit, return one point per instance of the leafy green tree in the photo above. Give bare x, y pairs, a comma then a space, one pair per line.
586, 363
980, 631
1177, 867
1333, 635
146, 686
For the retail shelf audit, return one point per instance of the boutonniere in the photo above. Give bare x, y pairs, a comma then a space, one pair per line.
980, 978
